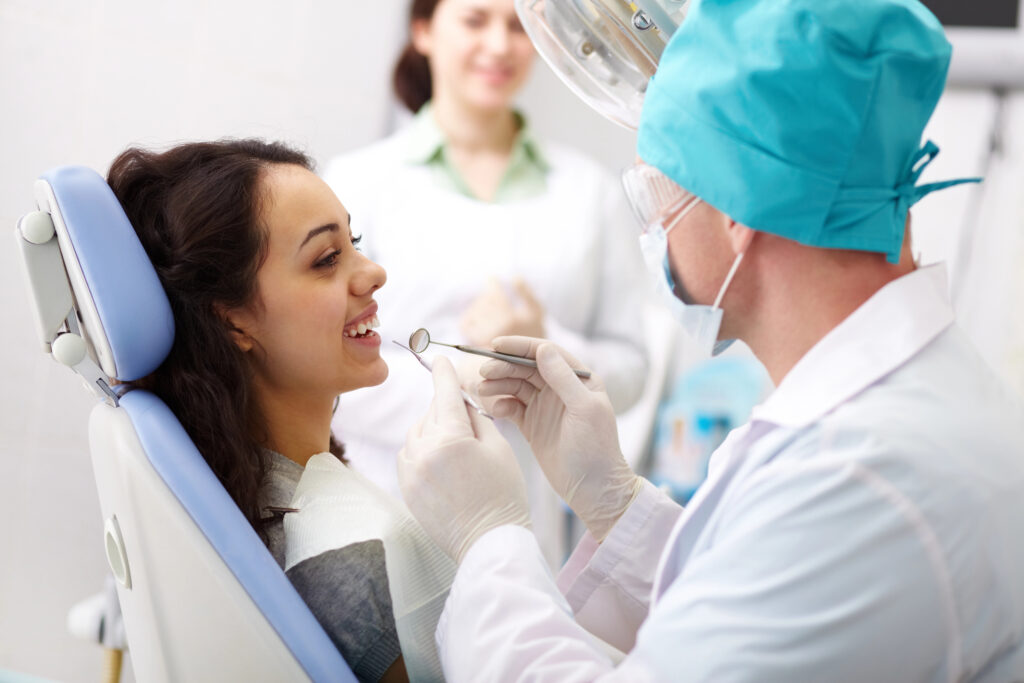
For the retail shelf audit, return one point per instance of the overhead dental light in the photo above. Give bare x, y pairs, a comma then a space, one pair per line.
604, 50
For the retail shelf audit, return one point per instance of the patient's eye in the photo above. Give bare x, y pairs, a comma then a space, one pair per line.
329, 260
355, 241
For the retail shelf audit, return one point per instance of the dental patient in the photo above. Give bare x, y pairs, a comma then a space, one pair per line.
274, 314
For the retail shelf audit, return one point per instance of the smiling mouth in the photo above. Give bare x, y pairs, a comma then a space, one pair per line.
496, 73
363, 329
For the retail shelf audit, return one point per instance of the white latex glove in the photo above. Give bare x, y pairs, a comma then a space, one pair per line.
457, 473
494, 313
468, 371
570, 425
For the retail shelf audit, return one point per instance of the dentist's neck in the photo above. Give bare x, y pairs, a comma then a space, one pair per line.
803, 293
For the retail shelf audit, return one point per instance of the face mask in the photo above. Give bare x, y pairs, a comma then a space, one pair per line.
701, 322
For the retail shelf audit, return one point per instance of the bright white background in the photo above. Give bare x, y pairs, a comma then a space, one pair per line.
79, 81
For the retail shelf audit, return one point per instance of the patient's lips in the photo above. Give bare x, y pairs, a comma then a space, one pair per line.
360, 329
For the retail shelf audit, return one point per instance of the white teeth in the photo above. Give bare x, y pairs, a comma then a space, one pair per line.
363, 327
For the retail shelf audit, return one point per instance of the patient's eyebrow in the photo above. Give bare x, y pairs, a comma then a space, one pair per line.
330, 227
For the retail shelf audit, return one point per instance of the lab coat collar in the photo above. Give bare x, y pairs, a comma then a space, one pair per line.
884, 333
425, 140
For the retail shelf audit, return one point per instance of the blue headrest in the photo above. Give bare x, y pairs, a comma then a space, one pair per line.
135, 320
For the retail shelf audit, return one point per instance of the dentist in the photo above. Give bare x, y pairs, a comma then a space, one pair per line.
868, 522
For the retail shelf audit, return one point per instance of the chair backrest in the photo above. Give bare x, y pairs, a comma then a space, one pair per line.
202, 597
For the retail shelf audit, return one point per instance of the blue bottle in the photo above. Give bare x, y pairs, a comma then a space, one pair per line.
705, 404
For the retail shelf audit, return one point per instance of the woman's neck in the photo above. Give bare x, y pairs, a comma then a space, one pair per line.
298, 427
475, 131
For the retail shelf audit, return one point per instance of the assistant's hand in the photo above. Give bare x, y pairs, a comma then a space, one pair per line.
457, 473
494, 314
570, 425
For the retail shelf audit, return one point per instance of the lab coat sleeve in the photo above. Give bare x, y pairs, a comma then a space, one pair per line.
506, 621
613, 346
616, 577
506, 618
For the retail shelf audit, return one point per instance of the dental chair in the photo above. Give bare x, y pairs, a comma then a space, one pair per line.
201, 597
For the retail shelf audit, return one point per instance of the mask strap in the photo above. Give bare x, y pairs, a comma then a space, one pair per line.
682, 214
728, 279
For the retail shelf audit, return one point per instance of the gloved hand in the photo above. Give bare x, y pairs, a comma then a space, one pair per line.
494, 313
570, 425
457, 473
468, 370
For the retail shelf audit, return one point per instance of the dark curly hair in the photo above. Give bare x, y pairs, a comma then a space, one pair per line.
196, 209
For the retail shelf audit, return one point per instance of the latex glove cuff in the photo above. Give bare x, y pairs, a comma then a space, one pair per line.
611, 505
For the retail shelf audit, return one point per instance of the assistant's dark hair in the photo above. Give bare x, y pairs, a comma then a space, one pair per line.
411, 79
197, 211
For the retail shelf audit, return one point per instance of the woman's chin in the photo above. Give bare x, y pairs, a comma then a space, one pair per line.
377, 375
492, 101
371, 377
382, 374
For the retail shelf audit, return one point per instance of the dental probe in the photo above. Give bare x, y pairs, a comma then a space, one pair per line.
420, 339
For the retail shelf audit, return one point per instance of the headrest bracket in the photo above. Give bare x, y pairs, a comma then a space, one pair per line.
57, 325
44, 274
70, 349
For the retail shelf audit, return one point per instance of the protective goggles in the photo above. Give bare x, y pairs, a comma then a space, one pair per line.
604, 50
657, 201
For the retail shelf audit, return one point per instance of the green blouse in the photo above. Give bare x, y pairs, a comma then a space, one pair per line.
524, 177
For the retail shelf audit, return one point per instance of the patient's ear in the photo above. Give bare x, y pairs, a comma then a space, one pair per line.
238, 322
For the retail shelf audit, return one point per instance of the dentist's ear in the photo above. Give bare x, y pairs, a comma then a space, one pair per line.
740, 236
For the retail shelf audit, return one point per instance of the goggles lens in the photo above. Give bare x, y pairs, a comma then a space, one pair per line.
654, 197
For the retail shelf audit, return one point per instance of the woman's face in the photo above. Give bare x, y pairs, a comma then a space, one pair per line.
478, 51
314, 295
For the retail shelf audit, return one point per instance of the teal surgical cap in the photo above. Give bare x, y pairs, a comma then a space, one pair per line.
801, 118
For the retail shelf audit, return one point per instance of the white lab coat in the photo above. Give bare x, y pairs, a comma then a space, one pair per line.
866, 525
575, 245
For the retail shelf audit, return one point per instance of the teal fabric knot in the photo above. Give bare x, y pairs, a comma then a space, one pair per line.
910, 193
874, 218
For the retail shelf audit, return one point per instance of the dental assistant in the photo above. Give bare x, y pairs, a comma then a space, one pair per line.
867, 524
486, 230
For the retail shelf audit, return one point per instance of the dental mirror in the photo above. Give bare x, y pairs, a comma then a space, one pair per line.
420, 340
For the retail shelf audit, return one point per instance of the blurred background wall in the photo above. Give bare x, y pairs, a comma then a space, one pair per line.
80, 81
